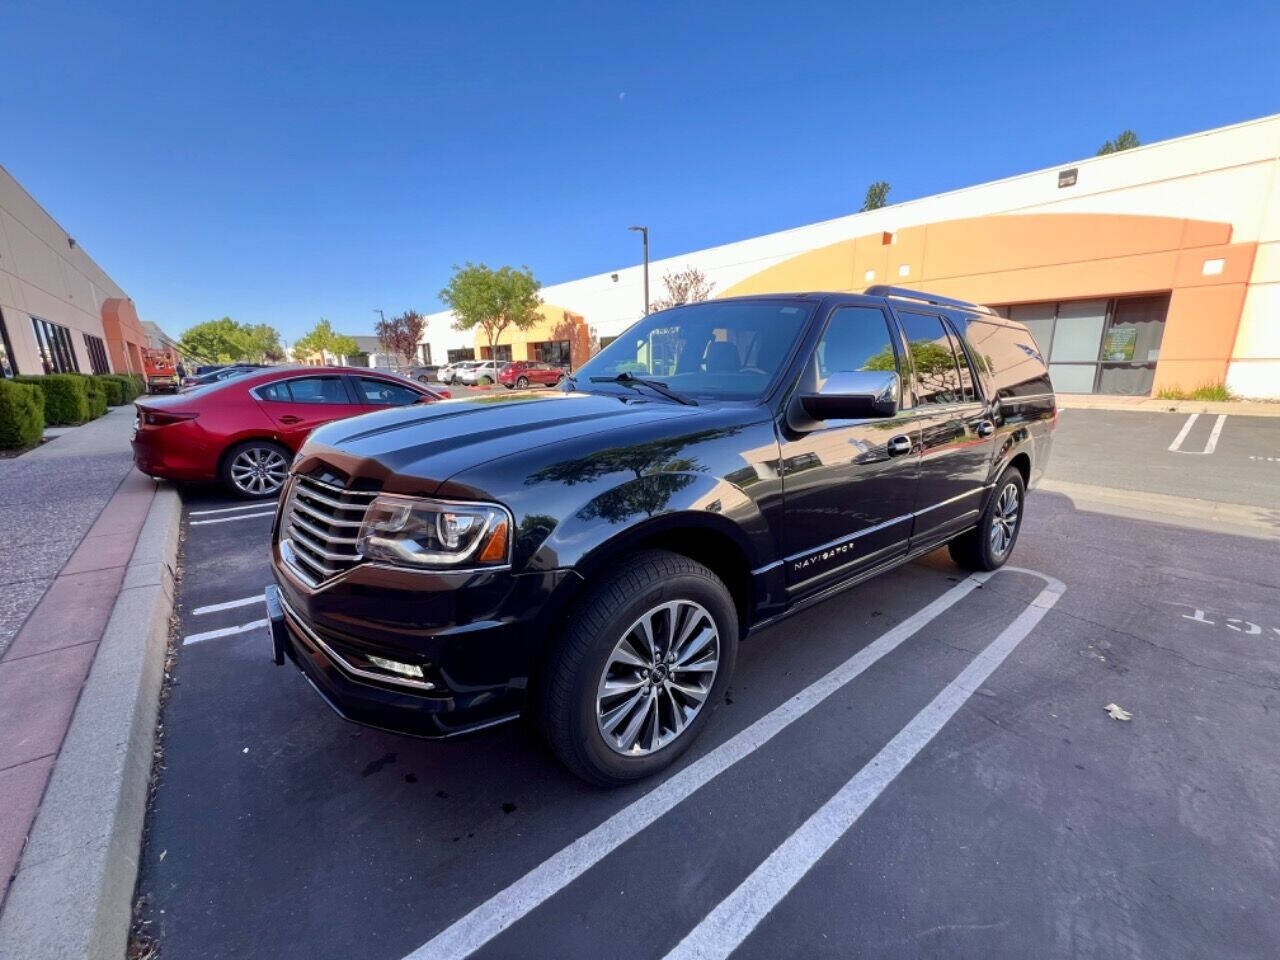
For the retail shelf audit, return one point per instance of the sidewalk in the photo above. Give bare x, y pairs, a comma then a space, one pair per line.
71, 511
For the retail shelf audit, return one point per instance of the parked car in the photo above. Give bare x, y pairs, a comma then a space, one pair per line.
424, 373
522, 373
596, 554
478, 373
218, 374
450, 371
243, 431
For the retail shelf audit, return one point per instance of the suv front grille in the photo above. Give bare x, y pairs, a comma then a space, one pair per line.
320, 527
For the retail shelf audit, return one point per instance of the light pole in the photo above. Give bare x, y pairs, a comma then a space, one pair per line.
644, 232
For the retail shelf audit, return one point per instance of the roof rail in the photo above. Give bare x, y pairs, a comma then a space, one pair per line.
902, 293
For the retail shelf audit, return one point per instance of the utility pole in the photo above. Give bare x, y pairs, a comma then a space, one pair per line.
644, 232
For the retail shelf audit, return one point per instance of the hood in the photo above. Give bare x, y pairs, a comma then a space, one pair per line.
413, 449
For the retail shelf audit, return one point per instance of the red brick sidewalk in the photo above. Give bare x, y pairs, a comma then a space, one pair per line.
45, 666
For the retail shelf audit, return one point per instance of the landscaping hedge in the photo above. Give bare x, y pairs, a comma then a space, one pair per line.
117, 392
66, 398
21, 415
131, 390
97, 395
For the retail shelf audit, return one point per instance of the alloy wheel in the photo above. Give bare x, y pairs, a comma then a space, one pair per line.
1004, 520
259, 471
657, 678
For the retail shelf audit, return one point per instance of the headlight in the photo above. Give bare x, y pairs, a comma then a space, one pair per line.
415, 532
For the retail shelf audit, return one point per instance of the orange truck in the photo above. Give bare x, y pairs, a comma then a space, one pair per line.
161, 371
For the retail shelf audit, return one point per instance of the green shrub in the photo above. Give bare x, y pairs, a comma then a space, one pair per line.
127, 381
21, 415
119, 389
66, 399
1206, 391
97, 394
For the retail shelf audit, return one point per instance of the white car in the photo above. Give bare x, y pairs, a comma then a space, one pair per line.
482, 372
450, 372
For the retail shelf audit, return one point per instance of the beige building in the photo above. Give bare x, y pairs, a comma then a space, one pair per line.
59, 311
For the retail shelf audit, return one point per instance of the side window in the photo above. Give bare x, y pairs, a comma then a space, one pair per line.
384, 391
856, 338
937, 380
318, 390
277, 392
1010, 357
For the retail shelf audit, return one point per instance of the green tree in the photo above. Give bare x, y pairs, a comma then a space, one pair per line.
264, 343
877, 196
323, 339
218, 341
1127, 140
492, 300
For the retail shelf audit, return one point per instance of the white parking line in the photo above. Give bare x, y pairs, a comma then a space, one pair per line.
1210, 445
731, 922
223, 632
229, 605
504, 908
248, 506
239, 516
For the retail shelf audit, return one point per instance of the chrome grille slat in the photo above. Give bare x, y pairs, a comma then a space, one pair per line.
319, 524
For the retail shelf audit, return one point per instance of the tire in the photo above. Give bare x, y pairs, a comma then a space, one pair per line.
238, 474
989, 545
574, 712
483, 382
522, 383
559, 380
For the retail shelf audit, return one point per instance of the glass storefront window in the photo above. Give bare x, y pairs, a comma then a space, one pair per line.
1078, 331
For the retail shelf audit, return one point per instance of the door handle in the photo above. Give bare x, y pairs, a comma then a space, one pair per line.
899, 445
986, 428
290, 418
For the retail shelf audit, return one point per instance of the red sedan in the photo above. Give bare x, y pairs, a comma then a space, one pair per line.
521, 373
245, 431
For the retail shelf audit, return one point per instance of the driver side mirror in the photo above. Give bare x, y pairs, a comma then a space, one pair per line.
854, 396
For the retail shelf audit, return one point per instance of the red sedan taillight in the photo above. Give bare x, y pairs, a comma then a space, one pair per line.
154, 418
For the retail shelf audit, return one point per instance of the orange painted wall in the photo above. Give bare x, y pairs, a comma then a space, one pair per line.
1054, 256
124, 335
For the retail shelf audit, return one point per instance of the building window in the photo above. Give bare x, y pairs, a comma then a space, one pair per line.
1098, 346
605, 341
424, 354
457, 356
551, 351
97, 353
8, 366
501, 353
56, 352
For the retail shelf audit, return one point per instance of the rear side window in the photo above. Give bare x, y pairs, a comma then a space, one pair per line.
1009, 357
937, 377
306, 390
384, 391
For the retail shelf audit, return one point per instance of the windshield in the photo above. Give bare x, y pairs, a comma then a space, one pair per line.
724, 350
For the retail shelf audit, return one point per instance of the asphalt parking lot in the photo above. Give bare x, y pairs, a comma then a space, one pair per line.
921, 766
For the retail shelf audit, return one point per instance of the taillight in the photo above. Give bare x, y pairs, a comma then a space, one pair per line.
154, 418
446, 394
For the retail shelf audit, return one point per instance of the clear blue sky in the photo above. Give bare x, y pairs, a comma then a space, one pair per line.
284, 161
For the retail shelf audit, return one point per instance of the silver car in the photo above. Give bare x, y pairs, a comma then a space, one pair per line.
479, 372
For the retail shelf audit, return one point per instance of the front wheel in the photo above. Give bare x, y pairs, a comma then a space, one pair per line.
255, 469
522, 383
989, 545
642, 662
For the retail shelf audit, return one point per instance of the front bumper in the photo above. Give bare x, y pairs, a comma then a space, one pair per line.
474, 674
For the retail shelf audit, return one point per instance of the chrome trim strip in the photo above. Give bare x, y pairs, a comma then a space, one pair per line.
317, 532
343, 664
317, 547
302, 490
330, 486
845, 539
967, 493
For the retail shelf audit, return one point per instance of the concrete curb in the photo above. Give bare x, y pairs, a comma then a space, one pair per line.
1232, 518
1239, 408
72, 897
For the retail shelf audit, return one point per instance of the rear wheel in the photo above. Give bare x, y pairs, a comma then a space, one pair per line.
522, 383
989, 545
255, 469
643, 661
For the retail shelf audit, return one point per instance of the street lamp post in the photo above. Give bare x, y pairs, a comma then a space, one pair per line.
644, 232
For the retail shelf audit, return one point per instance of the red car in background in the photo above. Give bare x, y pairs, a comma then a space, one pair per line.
245, 431
521, 373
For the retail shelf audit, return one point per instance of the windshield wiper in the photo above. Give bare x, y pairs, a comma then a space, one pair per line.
627, 377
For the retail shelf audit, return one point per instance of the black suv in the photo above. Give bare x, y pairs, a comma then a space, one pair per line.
595, 554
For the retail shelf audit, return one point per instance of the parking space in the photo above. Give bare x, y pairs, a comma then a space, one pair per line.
921, 766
